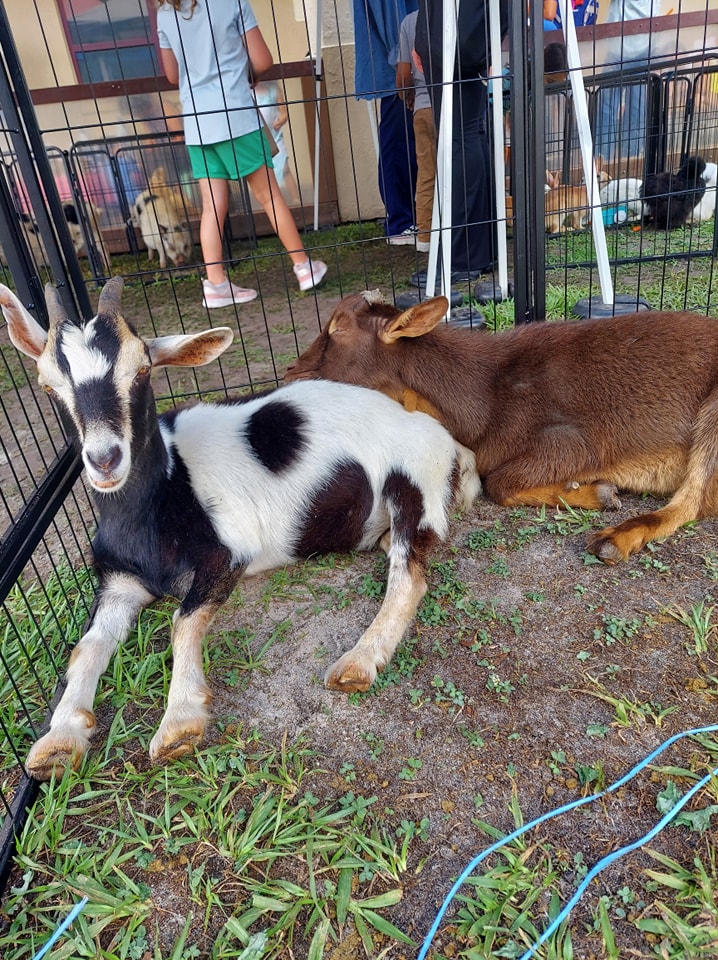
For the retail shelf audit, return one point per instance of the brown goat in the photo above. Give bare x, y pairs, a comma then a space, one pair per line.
555, 412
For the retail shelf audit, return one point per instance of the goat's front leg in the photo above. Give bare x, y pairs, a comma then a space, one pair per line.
117, 606
357, 669
188, 699
513, 482
185, 718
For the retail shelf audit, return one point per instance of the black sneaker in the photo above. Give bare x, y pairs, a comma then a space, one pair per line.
418, 279
410, 298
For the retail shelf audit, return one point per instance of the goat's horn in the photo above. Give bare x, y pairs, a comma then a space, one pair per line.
56, 312
110, 296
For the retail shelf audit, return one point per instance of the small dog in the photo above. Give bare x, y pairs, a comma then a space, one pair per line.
566, 207
670, 198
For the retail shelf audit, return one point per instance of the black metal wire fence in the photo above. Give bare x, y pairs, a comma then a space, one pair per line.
93, 144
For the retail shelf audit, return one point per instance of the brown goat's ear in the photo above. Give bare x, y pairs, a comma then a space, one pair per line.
416, 321
341, 320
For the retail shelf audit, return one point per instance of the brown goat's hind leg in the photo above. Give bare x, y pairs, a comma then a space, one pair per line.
600, 495
614, 544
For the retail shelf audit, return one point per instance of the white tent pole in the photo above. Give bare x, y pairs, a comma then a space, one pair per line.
443, 164
586, 141
497, 114
318, 67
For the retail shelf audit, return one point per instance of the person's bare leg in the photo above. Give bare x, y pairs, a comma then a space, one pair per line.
264, 187
215, 204
218, 291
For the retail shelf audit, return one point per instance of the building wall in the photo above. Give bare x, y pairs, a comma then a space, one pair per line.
41, 43
353, 145
42, 46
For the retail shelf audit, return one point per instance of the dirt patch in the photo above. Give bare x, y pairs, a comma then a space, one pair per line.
533, 675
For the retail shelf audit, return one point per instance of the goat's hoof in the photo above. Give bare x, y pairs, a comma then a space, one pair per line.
608, 496
54, 755
350, 675
174, 743
603, 546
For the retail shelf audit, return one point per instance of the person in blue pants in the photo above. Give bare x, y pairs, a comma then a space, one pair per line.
376, 46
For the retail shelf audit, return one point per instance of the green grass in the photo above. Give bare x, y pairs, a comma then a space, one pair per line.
350, 249
261, 853
37, 626
238, 829
254, 850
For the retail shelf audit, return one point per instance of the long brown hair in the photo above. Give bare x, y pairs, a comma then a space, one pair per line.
177, 5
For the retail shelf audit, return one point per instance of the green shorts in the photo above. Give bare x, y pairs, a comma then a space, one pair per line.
231, 159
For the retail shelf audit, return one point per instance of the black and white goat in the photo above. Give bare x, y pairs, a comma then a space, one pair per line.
191, 500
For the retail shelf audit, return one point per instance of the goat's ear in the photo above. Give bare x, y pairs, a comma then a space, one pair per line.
25, 332
416, 321
190, 350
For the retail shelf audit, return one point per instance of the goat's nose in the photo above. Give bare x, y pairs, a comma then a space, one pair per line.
107, 460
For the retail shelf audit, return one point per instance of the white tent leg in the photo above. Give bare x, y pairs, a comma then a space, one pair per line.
443, 160
586, 141
371, 109
497, 116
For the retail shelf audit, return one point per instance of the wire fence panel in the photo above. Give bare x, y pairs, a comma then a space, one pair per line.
84, 138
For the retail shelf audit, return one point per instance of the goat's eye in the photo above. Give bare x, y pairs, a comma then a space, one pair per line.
47, 388
142, 372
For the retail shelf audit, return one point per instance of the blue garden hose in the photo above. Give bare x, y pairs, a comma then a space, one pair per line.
75, 912
601, 863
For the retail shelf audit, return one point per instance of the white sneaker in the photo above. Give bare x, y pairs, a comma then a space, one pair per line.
404, 238
423, 246
310, 274
225, 294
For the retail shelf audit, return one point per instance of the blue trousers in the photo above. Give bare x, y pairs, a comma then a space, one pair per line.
397, 163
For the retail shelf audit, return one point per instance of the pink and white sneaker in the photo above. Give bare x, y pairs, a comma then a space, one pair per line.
225, 294
310, 274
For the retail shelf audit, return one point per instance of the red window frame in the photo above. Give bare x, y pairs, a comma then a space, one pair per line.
69, 10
